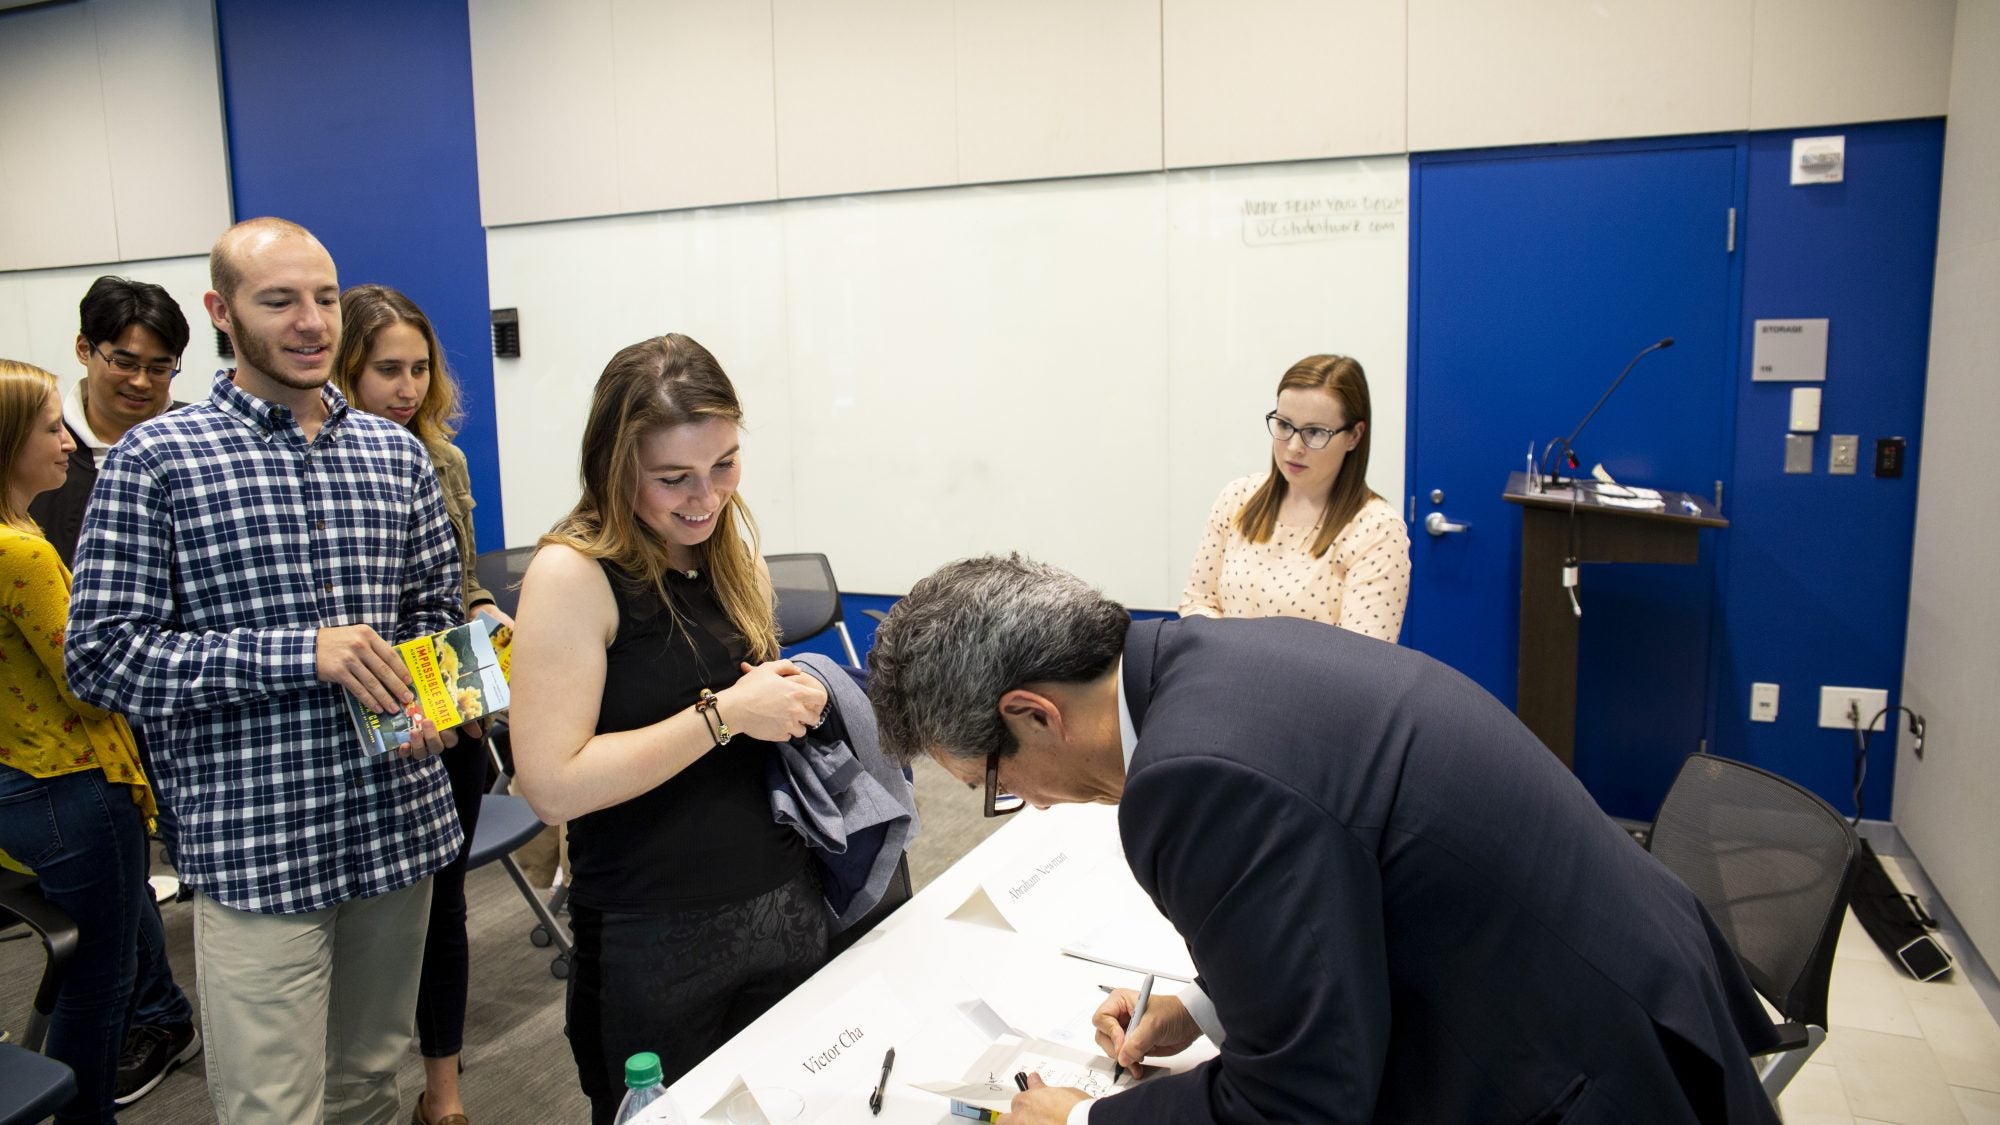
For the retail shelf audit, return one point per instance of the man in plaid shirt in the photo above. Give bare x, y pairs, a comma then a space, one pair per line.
245, 563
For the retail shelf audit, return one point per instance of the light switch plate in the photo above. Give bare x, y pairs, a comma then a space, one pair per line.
1763, 703
1843, 454
1798, 453
1805, 410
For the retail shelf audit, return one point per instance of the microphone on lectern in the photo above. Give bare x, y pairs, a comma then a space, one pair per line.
1565, 444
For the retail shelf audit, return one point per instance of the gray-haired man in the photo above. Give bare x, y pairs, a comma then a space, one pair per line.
1401, 906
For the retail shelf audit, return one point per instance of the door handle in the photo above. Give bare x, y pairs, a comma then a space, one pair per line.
1437, 524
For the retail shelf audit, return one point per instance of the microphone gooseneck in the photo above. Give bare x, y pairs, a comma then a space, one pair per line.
1567, 444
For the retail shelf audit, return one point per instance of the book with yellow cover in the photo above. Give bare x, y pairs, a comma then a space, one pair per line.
455, 676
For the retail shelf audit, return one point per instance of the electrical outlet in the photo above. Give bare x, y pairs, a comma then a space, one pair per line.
1834, 706
1763, 703
1843, 452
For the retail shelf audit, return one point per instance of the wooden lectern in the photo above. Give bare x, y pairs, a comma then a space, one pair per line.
1545, 682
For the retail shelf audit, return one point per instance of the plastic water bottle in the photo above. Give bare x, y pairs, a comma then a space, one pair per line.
646, 1098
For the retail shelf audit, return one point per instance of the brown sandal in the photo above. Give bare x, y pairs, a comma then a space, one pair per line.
418, 1117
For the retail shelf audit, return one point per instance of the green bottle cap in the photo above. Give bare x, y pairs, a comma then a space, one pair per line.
642, 1070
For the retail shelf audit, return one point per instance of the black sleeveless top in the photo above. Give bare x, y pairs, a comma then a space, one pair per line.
706, 835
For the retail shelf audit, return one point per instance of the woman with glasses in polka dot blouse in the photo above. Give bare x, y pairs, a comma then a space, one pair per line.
1308, 538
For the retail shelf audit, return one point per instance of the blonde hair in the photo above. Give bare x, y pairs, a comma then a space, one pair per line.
1342, 378
365, 311
24, 390
655, 385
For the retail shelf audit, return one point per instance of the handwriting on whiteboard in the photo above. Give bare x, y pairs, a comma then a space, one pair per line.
1269, 222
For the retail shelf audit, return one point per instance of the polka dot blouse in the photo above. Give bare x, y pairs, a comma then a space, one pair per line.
1362, 583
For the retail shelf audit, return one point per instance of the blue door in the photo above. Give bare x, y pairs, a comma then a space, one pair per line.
1535, 276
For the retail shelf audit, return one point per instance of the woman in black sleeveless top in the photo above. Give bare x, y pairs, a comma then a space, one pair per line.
646, 694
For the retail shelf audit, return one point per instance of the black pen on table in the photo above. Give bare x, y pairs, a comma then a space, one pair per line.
875, 1099
1138, 1013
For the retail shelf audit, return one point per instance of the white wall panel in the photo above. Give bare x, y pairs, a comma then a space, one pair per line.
1836, 61
55, 196
1266, 80
1945, 801
169, 161
543, 88
586, 290
865, 95
38, 316
1570, 70
1054, 88
1067, 367
984, 370
693, 103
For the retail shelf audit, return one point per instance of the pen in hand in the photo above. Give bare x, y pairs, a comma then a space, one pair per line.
1138, 1013
1021, 1079
875, 1099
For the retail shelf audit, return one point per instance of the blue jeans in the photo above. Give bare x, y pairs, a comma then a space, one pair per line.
86, 843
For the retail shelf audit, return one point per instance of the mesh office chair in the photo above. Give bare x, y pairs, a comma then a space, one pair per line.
1773, 864
808, 600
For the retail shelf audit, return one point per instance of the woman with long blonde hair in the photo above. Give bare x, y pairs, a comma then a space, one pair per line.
1308, 538
647, 694
74, 800
389, 364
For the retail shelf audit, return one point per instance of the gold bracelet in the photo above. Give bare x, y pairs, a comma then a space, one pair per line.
710, 703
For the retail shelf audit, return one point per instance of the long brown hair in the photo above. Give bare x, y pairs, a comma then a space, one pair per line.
365, 311
24, 390
1344, 380
654, 385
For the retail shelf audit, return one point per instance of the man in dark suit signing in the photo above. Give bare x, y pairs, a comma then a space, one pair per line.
1400, 905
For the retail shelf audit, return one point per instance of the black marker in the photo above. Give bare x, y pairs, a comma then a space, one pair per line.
1021, 1079
875, 1099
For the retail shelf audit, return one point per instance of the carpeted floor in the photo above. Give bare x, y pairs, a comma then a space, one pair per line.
517, 1063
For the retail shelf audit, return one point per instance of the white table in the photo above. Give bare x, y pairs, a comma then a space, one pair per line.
929, 963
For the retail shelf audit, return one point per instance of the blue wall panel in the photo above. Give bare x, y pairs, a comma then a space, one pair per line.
355, 120
1816, 568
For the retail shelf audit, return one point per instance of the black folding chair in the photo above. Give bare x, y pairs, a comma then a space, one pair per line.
21, 902
1773, 864
808, 600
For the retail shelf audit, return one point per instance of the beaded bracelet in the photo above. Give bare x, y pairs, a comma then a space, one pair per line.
719, 729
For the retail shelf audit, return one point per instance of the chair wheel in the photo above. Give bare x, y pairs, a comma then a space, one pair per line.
559, 968
540, 938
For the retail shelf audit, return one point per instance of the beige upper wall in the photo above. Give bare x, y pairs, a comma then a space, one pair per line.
1945, 801
748, 100
94, 173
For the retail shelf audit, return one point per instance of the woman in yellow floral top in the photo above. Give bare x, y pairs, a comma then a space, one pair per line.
73, 799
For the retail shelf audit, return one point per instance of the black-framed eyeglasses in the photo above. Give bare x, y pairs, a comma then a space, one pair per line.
130, 365
1315, 437
998, 803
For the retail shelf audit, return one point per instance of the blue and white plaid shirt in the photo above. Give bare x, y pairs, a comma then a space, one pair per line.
217, 543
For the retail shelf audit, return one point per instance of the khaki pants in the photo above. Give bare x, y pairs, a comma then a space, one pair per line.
308, 1016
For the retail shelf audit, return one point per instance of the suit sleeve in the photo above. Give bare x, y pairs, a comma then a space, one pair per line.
1282, 909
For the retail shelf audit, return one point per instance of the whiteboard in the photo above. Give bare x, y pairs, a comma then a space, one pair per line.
1070, 368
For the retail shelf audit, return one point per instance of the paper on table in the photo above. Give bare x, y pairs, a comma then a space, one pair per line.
1134, 935
835, 1056
989, 1081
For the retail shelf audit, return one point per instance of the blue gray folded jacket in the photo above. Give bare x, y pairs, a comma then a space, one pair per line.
855, 808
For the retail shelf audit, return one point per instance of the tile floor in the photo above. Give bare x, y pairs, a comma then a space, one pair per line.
1900, 1052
